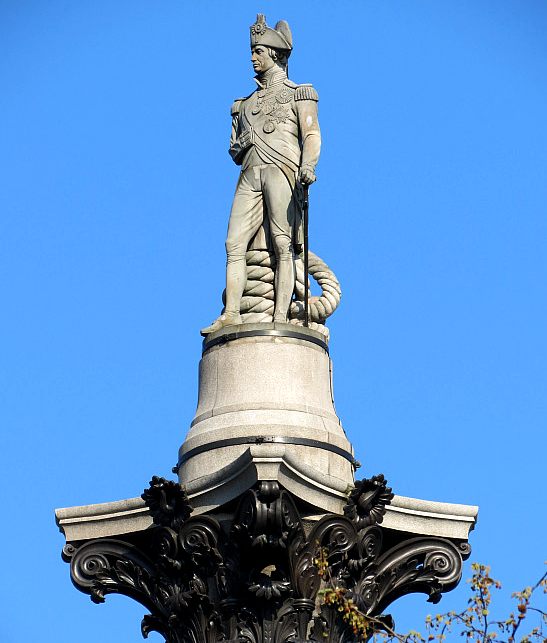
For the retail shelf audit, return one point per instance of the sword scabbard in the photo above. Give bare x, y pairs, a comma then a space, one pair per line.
306, 256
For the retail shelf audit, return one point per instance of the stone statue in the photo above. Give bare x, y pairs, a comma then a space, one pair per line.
276, 140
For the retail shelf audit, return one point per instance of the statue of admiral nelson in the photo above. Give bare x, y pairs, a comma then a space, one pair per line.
276, 140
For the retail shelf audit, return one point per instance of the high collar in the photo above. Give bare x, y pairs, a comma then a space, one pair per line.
273, 76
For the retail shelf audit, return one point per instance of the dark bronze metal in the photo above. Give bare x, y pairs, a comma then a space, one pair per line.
267, 439
306, 212
255, 580
267, 332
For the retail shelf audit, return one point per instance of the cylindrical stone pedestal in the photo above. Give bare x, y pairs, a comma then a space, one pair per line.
266, 412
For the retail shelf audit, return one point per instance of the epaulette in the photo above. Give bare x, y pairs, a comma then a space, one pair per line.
305, 92
290, 84
235, 106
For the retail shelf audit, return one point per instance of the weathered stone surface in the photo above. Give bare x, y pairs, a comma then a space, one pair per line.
276, 140
103, 519
423, 517
266, 412
431, 518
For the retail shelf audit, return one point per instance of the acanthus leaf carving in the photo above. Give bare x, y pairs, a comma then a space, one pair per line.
257, 581
425, 565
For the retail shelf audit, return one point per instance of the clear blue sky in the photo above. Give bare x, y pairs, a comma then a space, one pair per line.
115, 190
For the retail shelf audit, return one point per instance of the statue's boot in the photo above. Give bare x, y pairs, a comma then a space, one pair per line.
284, 286
226, 319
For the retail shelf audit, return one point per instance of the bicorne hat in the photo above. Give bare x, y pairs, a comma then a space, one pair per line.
278, 38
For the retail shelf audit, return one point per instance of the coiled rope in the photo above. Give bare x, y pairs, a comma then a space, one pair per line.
257, 304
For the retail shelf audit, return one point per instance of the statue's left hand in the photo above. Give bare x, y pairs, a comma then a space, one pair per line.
306, 175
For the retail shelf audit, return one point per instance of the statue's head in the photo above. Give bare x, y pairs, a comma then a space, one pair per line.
269, 46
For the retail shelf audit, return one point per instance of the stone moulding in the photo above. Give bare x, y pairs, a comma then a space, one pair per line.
266, 412
421, 517
249, 574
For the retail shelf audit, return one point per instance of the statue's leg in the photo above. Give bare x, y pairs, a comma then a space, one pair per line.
278, 197
245, 219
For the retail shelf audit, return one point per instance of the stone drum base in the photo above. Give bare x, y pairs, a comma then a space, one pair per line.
266, 412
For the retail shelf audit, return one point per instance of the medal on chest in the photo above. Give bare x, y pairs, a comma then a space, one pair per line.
274, 106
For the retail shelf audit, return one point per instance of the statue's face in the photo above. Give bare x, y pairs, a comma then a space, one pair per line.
261, 59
